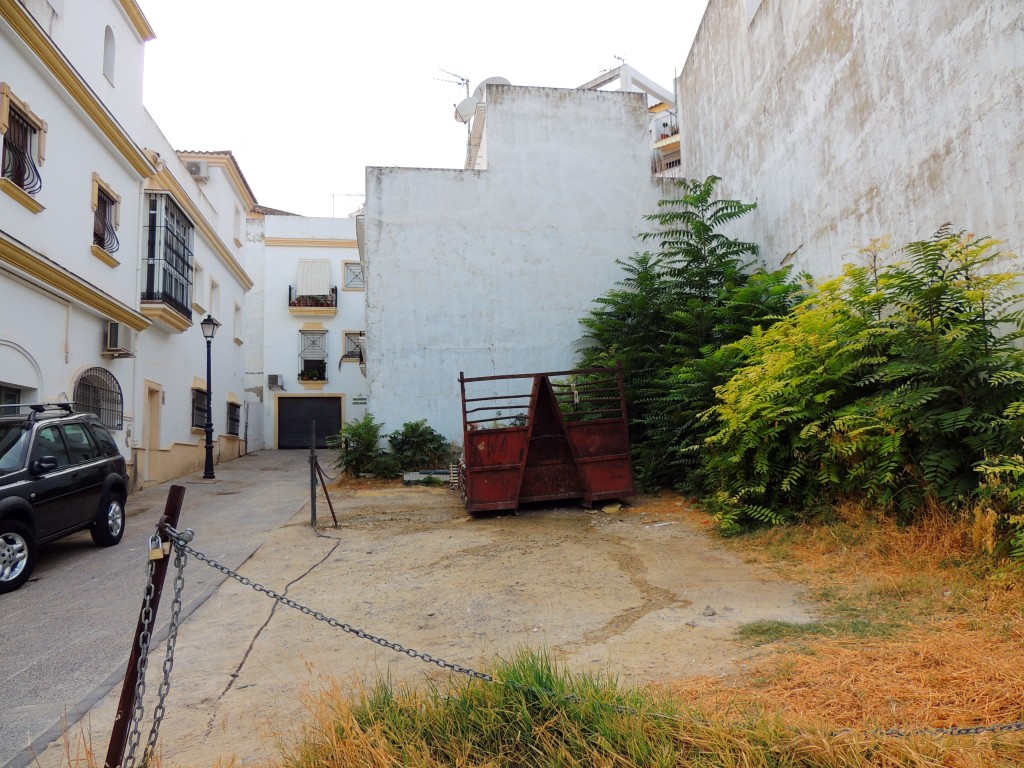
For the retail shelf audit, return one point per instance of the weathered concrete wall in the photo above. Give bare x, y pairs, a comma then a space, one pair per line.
847, 120
488, 272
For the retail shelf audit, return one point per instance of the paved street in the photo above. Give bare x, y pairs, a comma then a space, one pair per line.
65, 636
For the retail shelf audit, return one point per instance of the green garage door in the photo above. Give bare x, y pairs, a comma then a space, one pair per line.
295, 415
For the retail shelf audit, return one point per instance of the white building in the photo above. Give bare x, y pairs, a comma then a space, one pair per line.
308, 307
846, 121
110, 250
488, 271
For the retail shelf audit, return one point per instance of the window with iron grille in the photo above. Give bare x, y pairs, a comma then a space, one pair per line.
97, 391
199, 408
353, 347
354, 276
104, 222
234, 418
22, 142
313, 355
169, 236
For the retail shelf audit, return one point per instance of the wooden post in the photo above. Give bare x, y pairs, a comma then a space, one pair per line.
126, 704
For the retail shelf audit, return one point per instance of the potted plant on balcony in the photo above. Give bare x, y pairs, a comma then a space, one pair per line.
313, 370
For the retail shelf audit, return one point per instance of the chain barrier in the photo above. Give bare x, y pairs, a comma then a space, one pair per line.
145, 638
180, 541
323, 471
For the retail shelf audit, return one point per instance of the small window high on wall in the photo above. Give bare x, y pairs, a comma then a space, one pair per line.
109, 54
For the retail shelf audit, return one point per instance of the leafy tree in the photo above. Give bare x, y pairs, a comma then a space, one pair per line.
666, 319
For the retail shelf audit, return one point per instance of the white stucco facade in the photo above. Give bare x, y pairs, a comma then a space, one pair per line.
489, 271
277, 250
75, 70
847, 121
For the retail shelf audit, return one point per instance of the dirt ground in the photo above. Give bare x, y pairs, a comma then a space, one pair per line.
637, 591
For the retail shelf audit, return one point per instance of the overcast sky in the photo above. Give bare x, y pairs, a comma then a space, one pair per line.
308, 93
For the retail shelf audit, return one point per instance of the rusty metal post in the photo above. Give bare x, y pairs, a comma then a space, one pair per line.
312, 473
126, 704
327, 494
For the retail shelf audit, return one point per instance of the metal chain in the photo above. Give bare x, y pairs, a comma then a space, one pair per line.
181, 539
322, 470
972, 730
181, 544
146, 618
180, 558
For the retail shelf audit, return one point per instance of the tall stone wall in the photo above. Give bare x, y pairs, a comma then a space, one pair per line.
849, 120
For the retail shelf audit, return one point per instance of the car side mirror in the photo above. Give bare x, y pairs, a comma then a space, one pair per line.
43, 464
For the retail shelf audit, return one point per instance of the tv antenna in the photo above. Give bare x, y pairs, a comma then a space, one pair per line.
459, 80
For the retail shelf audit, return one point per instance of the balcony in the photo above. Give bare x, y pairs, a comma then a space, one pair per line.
664, 162
167, 298
325, 304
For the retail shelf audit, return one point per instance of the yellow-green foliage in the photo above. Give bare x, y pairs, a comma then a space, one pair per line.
891, 382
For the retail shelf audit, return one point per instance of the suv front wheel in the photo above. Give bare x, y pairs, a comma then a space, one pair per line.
108, 528
17, 555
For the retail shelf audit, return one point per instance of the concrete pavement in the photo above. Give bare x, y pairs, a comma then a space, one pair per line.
66, 635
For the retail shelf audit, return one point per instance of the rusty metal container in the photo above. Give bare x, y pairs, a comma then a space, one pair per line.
543, 437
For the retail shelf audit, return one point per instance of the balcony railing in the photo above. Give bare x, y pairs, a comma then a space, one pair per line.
322, 300
663, 162
168, 282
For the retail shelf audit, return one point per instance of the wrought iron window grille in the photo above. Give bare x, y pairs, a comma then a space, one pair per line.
17, 163
98, 392
198, 408
234, 418
103, 233
354, 275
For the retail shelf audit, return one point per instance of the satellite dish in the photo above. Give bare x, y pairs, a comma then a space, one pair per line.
465, 109
479, 92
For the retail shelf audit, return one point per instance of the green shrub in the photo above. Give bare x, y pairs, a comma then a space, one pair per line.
358, 445
891, 382
419, 446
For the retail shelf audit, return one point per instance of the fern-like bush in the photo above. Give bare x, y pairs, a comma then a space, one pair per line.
666, 319
892, 382
1001, 495
359, 451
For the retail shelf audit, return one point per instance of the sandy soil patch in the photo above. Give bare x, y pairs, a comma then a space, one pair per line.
637, 591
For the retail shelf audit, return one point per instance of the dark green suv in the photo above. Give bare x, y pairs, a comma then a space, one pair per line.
60, 472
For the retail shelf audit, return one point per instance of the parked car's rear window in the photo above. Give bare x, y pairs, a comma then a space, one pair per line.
13, 442
106, 440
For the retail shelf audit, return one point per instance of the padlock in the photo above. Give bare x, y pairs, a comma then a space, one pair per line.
167, 548
156, 550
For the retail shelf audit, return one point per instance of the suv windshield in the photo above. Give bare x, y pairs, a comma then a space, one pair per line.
13, 443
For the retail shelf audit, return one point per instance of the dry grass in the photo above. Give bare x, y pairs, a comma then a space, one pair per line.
952, 657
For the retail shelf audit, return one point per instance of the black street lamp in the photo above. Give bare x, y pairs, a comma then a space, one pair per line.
209, 326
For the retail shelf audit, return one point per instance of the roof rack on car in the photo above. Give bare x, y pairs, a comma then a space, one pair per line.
37, 409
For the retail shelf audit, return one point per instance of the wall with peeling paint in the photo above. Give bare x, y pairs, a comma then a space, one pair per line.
847, 120
489, 271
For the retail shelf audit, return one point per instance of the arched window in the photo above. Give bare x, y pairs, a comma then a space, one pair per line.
109, 54
97, 391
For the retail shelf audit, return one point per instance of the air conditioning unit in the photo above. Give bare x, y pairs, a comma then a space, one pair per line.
198, 169
119, 340
275, 381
